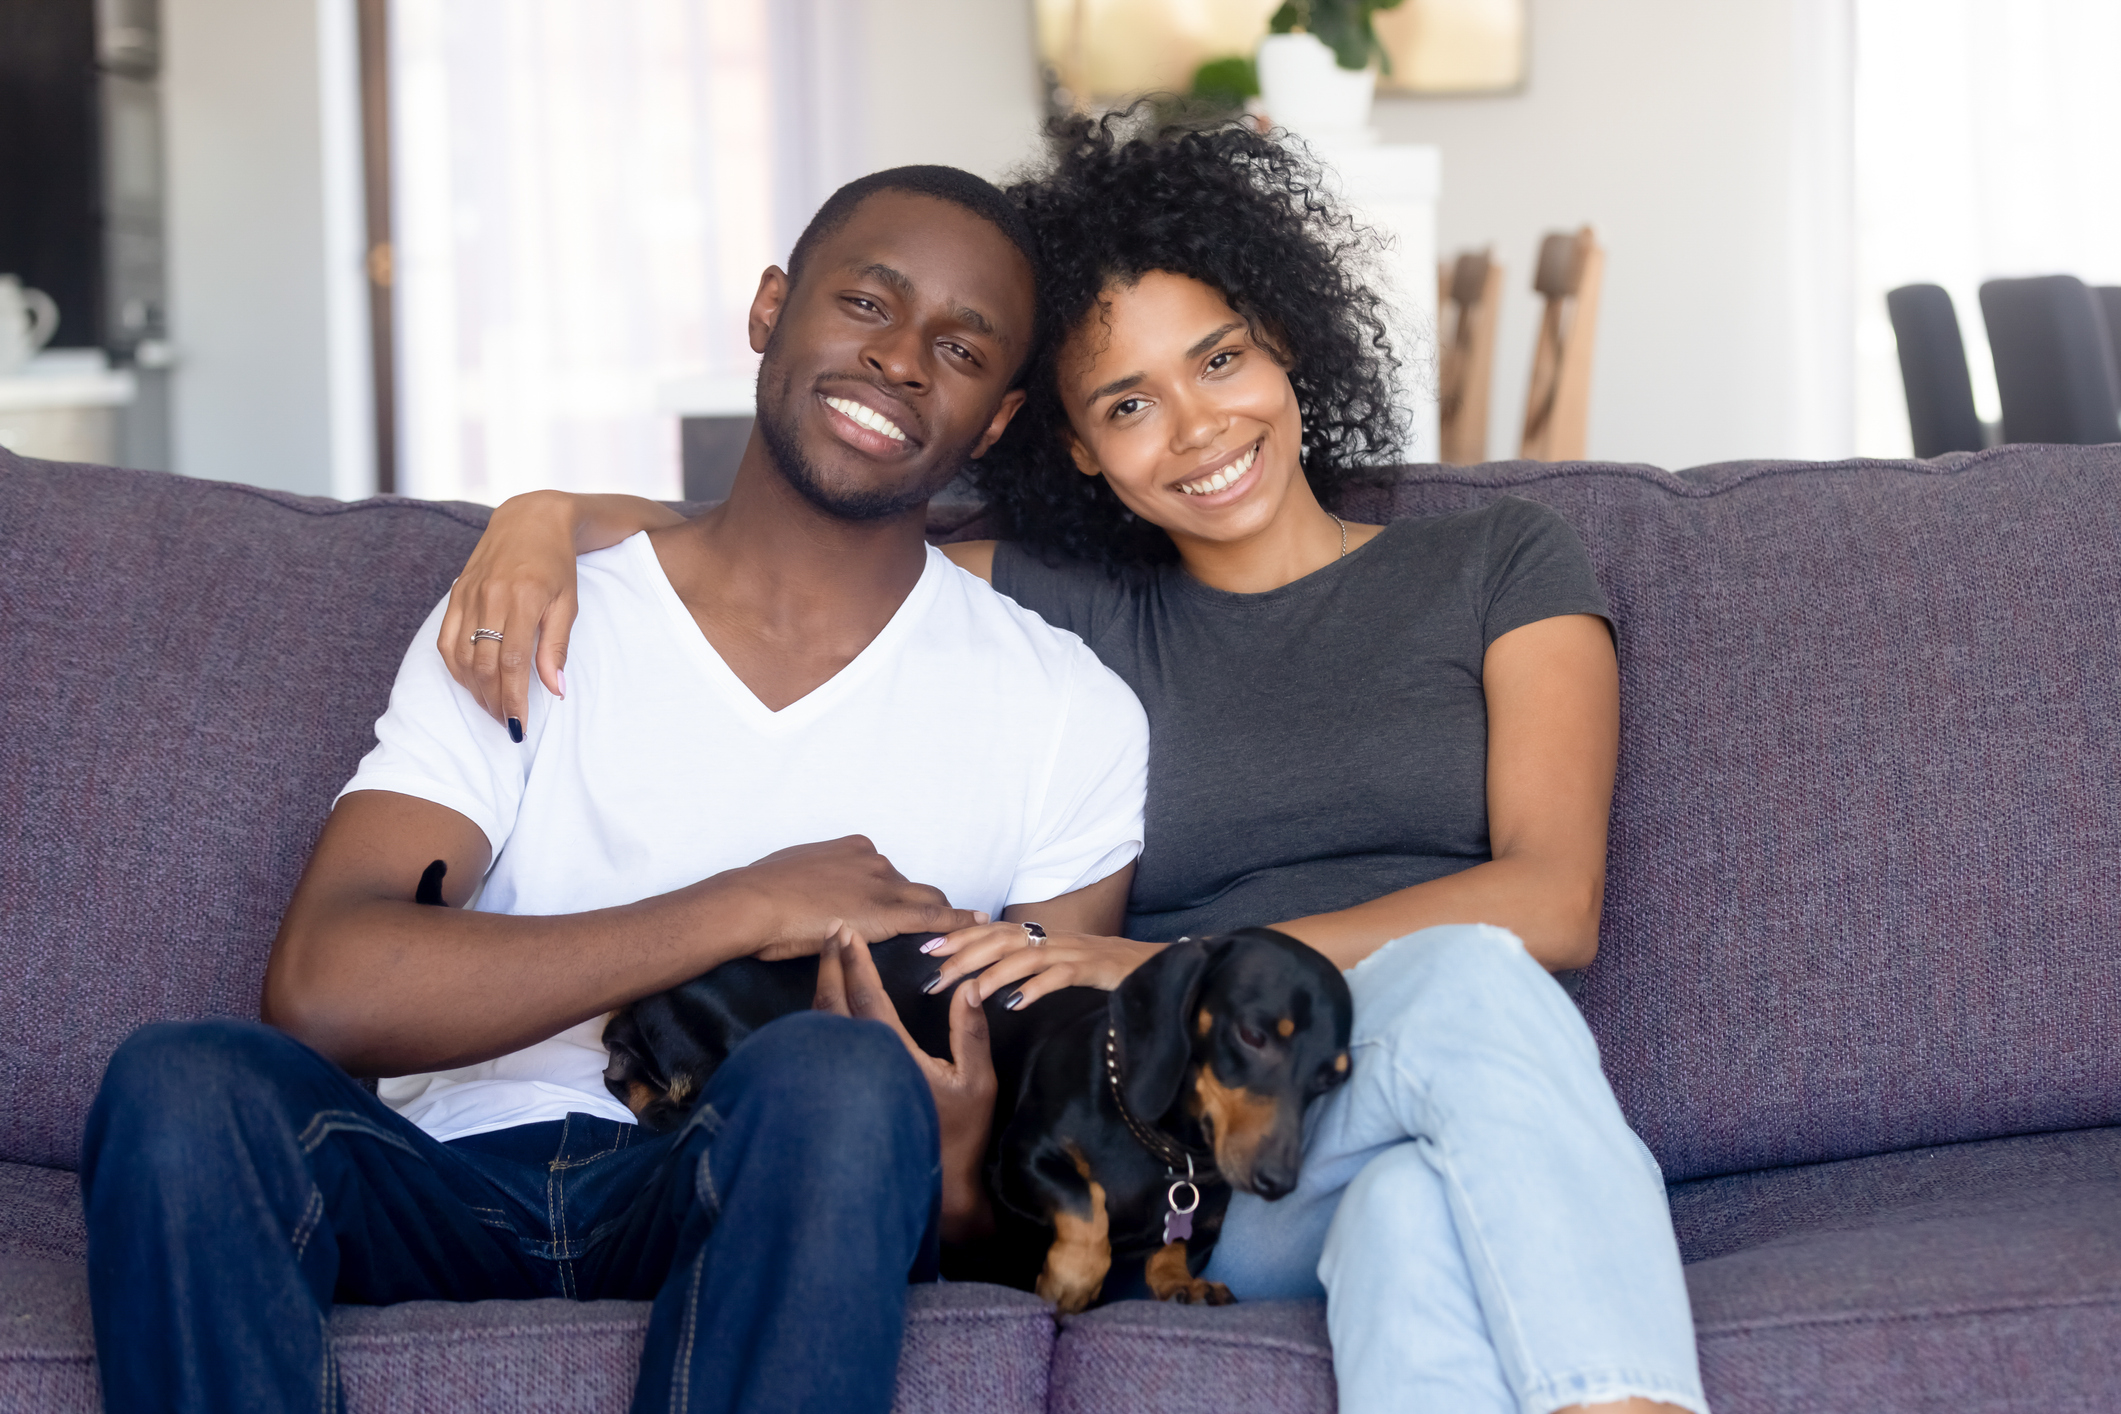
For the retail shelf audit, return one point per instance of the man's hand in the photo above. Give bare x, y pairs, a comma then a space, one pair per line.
841, 890
964, 1086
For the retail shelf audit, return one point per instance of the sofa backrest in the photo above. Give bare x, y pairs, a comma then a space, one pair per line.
1864, 888
1865, 884
189, 671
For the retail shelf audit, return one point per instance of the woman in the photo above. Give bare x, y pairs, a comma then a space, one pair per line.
1394, 742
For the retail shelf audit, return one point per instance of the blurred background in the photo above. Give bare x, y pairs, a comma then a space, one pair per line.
464, 248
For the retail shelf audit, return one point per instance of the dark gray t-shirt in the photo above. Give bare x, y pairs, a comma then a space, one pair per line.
1324, 743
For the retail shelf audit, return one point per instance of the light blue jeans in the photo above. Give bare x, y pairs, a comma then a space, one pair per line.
1489, 1235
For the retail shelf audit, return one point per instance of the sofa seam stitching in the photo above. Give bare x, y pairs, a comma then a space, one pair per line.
1235, 1342
1658, 477
1901, 1317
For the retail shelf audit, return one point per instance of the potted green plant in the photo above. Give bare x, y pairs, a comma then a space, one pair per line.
1318, 66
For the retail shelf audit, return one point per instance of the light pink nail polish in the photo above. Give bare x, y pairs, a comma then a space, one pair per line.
931, 945
561, 674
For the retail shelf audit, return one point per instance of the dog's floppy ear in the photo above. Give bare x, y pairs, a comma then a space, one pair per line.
1151, 1015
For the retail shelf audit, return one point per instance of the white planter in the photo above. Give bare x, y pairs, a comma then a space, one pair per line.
1306, 91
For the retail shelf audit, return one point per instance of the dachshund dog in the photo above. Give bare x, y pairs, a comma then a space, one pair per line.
1134, 1123
665, 1047
1124, 1120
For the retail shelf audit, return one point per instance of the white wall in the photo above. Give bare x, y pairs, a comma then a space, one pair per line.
269, 387
977, 103
1708, 142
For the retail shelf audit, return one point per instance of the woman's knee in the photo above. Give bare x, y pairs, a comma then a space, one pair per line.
1450, 999
1456, 968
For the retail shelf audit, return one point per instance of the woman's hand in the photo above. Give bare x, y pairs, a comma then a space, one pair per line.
1002, 956
964, 1086
519, 583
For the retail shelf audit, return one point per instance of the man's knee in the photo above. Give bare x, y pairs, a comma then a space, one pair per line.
172, 1078
837, 1079
820, 1059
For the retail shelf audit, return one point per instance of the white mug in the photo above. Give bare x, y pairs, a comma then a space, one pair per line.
28, 319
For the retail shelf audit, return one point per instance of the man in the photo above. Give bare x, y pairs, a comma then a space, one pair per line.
790, 676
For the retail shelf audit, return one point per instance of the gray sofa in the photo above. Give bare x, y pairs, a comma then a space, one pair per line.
1860, 987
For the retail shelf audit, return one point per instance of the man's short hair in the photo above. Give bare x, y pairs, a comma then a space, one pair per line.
961, 189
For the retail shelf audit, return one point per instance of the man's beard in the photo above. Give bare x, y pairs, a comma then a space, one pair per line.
776, 422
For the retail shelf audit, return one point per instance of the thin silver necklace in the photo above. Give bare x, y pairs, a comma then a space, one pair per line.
1343, 534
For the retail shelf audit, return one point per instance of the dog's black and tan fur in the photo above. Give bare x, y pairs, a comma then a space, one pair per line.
1220, 1044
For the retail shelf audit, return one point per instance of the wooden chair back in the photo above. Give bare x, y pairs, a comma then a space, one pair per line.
1558, 403
1469, 298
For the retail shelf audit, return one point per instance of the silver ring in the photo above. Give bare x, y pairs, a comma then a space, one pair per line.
479, 633
1035, 935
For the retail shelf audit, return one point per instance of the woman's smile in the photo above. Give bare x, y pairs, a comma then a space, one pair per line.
1190, 418
1224, 478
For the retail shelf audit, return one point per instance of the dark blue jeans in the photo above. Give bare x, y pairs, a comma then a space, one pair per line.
237, 1184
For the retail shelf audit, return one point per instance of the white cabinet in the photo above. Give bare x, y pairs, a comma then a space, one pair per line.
64, 407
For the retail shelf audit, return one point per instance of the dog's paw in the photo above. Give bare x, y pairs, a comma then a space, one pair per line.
1170, 1280
1196, 1292
1069, 1298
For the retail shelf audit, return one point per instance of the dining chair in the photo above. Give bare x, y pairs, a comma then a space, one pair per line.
2055, 367
1471, 290
1558, 403
1940, 396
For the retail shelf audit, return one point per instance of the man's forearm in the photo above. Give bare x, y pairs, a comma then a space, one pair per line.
386, 987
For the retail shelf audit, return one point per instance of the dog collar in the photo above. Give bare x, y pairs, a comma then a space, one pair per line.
1187, 1165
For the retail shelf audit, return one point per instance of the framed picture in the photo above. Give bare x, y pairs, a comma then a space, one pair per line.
1100, 50
1445, 47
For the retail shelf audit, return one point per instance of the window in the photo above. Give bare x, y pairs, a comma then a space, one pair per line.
1985, 134
584, 194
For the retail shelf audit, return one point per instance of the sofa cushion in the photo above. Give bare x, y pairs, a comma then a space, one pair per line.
967, 1347
1257, 1357
1715, 1217
40, 1213
1980, 1277
1861, 886
193, 671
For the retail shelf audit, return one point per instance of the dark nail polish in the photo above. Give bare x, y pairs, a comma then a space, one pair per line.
515, 730
933, 983
1012, 1001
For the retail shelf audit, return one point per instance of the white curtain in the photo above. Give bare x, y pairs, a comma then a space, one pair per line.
585, 192
1988, 144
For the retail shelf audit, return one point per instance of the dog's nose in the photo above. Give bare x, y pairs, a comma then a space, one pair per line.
1272, 1184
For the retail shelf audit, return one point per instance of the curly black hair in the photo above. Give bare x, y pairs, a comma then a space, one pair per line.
1133, 192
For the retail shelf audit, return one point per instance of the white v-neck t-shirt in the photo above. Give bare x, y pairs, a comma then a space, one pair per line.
984, 751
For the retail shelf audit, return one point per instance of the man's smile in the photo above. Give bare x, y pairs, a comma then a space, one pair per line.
859, 423
867, 417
